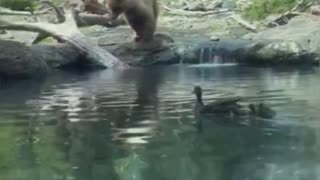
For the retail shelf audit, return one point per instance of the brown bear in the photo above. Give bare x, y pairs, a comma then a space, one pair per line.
141, 15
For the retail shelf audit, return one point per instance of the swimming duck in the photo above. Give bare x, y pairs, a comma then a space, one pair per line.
226, 106
261, 110
229, 106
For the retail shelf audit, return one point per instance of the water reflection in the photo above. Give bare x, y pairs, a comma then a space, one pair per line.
139, 124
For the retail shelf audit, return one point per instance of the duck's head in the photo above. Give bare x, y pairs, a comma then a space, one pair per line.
197, 90
252, 108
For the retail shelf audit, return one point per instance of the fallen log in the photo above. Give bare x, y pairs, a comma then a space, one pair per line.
6, 11
194, 13
84, 19
69, 33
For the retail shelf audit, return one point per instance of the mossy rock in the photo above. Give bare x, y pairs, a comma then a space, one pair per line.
276, 53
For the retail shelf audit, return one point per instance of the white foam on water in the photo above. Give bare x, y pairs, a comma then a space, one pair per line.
210, 65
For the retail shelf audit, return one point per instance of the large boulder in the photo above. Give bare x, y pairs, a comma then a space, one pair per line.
256, 49
276, 53
296, 42
19, 60
315, 10
304, 30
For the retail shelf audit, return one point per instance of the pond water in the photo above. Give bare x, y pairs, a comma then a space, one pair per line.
139, 125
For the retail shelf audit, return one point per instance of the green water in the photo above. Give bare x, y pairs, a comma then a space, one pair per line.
139, 125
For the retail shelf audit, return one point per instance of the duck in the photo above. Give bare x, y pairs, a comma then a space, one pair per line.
261, 110
228, 106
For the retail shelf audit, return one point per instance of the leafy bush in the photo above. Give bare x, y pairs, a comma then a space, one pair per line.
18, 5
260, 9
57, 1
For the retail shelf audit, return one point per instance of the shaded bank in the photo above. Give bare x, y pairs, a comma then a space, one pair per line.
17, 60
292, 44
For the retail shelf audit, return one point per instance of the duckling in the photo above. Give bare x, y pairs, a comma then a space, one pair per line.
225, 106
261, 110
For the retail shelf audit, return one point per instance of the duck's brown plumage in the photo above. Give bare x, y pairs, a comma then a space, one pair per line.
225, 105
229, 106
262, 110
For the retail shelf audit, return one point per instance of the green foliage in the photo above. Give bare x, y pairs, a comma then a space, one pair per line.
57, 1
260, 9
17, 4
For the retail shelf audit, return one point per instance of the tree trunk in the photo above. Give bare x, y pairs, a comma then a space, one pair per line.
83, 19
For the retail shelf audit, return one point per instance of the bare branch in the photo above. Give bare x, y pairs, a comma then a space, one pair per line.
69, 17
84, 19
69, 33
244, 23
22, 26
6, 11
40, 37
60, 16
285, 17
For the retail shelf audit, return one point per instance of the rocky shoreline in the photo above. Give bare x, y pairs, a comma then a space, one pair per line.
292, 44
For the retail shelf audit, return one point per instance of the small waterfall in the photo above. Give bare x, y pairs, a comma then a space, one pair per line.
181, 60
201, 58
217, 59
209, 56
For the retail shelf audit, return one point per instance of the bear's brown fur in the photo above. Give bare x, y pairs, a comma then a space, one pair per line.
141, 15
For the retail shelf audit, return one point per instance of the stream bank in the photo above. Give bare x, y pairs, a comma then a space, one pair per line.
291, 44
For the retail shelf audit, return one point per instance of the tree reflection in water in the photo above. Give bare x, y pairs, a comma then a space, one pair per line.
137, 124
